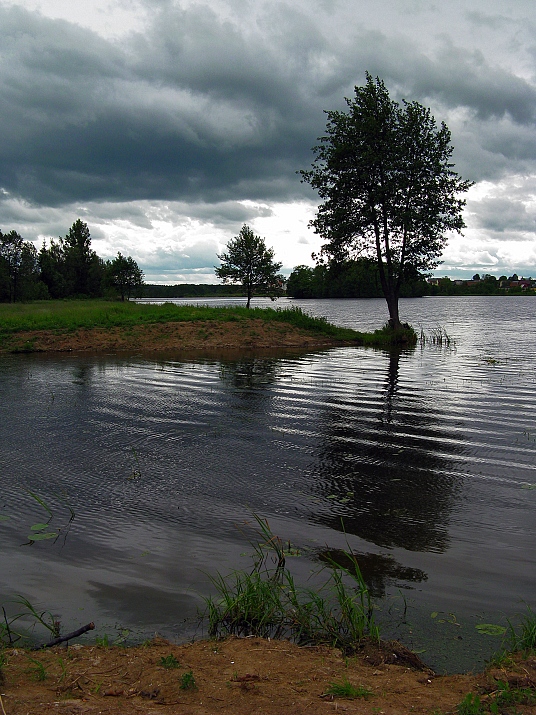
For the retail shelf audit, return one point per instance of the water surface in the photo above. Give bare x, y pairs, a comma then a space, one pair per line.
422, 462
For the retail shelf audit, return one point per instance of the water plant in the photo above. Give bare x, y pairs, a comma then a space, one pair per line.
267, 602
437, 336
524, 637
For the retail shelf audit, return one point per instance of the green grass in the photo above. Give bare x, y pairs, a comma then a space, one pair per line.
169, 661
523, 638
266, 602
345, 689
71, 315
188, 681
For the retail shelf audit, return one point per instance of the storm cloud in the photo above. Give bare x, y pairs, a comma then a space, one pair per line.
203, 112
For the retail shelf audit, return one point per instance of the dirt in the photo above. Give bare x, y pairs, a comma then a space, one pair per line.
239, 676
166, 337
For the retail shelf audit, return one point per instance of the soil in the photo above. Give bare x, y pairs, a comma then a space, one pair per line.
247, 676
167, 337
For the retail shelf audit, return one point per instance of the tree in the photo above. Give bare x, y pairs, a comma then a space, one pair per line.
249, 262
19, 274
389, 189
124, 274
84, 270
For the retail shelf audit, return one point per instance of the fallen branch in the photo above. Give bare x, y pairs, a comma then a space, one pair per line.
62, 639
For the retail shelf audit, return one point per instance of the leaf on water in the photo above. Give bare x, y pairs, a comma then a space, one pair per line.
491, 629
39, 527
528, 486
42, 537
4, 518
434, 614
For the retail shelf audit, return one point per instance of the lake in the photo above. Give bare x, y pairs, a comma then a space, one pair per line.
423, 463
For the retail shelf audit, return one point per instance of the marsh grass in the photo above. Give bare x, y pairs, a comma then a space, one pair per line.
268, 603
523, 638
438, 336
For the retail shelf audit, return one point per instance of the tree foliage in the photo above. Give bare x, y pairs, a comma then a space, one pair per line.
388, 188
124, 274
357, 278
66, 268
249, 262
18, 268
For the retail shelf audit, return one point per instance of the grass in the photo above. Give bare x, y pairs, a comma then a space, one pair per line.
169, 661
188, 681
72, 315
345, 689
266, 602
523, 638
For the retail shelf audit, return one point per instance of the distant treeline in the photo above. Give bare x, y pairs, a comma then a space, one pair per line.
67, 268
349, 279
360, 279
190, 290
482, 285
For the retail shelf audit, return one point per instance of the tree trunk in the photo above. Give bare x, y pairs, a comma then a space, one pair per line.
392, 305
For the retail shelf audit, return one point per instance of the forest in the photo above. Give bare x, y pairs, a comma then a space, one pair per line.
66, 268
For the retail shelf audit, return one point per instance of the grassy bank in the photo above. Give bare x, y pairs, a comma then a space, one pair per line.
71, 316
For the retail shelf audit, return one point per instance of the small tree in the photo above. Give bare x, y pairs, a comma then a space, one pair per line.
388, 187
248, 262
124, 274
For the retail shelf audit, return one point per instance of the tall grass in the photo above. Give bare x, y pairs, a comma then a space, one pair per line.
267, 602
523, 638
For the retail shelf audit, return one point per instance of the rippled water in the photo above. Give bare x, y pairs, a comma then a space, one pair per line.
427, 457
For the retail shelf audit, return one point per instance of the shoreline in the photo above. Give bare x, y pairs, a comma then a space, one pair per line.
242, 676
185, 336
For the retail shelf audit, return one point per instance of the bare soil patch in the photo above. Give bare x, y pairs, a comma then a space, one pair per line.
238, 676
167, 337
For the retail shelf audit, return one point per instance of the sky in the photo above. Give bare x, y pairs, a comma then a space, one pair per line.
166, 125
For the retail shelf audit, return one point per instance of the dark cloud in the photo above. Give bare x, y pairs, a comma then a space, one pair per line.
205, 109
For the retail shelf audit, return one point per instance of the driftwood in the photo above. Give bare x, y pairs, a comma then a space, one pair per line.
62, 639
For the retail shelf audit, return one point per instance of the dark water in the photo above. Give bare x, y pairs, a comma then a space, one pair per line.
428, 457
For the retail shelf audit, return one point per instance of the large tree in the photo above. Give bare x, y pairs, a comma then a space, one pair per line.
388, 187
249, 262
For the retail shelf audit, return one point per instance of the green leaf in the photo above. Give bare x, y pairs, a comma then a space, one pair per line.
490, 629
4, 518
434, 614
42, 537
39, 527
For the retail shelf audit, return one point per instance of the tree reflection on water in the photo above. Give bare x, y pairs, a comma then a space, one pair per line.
387, 472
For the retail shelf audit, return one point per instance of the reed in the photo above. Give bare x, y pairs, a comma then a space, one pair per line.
267, 602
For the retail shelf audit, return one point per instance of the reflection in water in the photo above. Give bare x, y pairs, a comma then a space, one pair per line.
385, 470
378, 570
250, 373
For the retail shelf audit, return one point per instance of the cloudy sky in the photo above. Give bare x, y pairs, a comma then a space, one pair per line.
168, 124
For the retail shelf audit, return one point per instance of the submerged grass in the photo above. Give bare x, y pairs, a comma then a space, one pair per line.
267, 602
